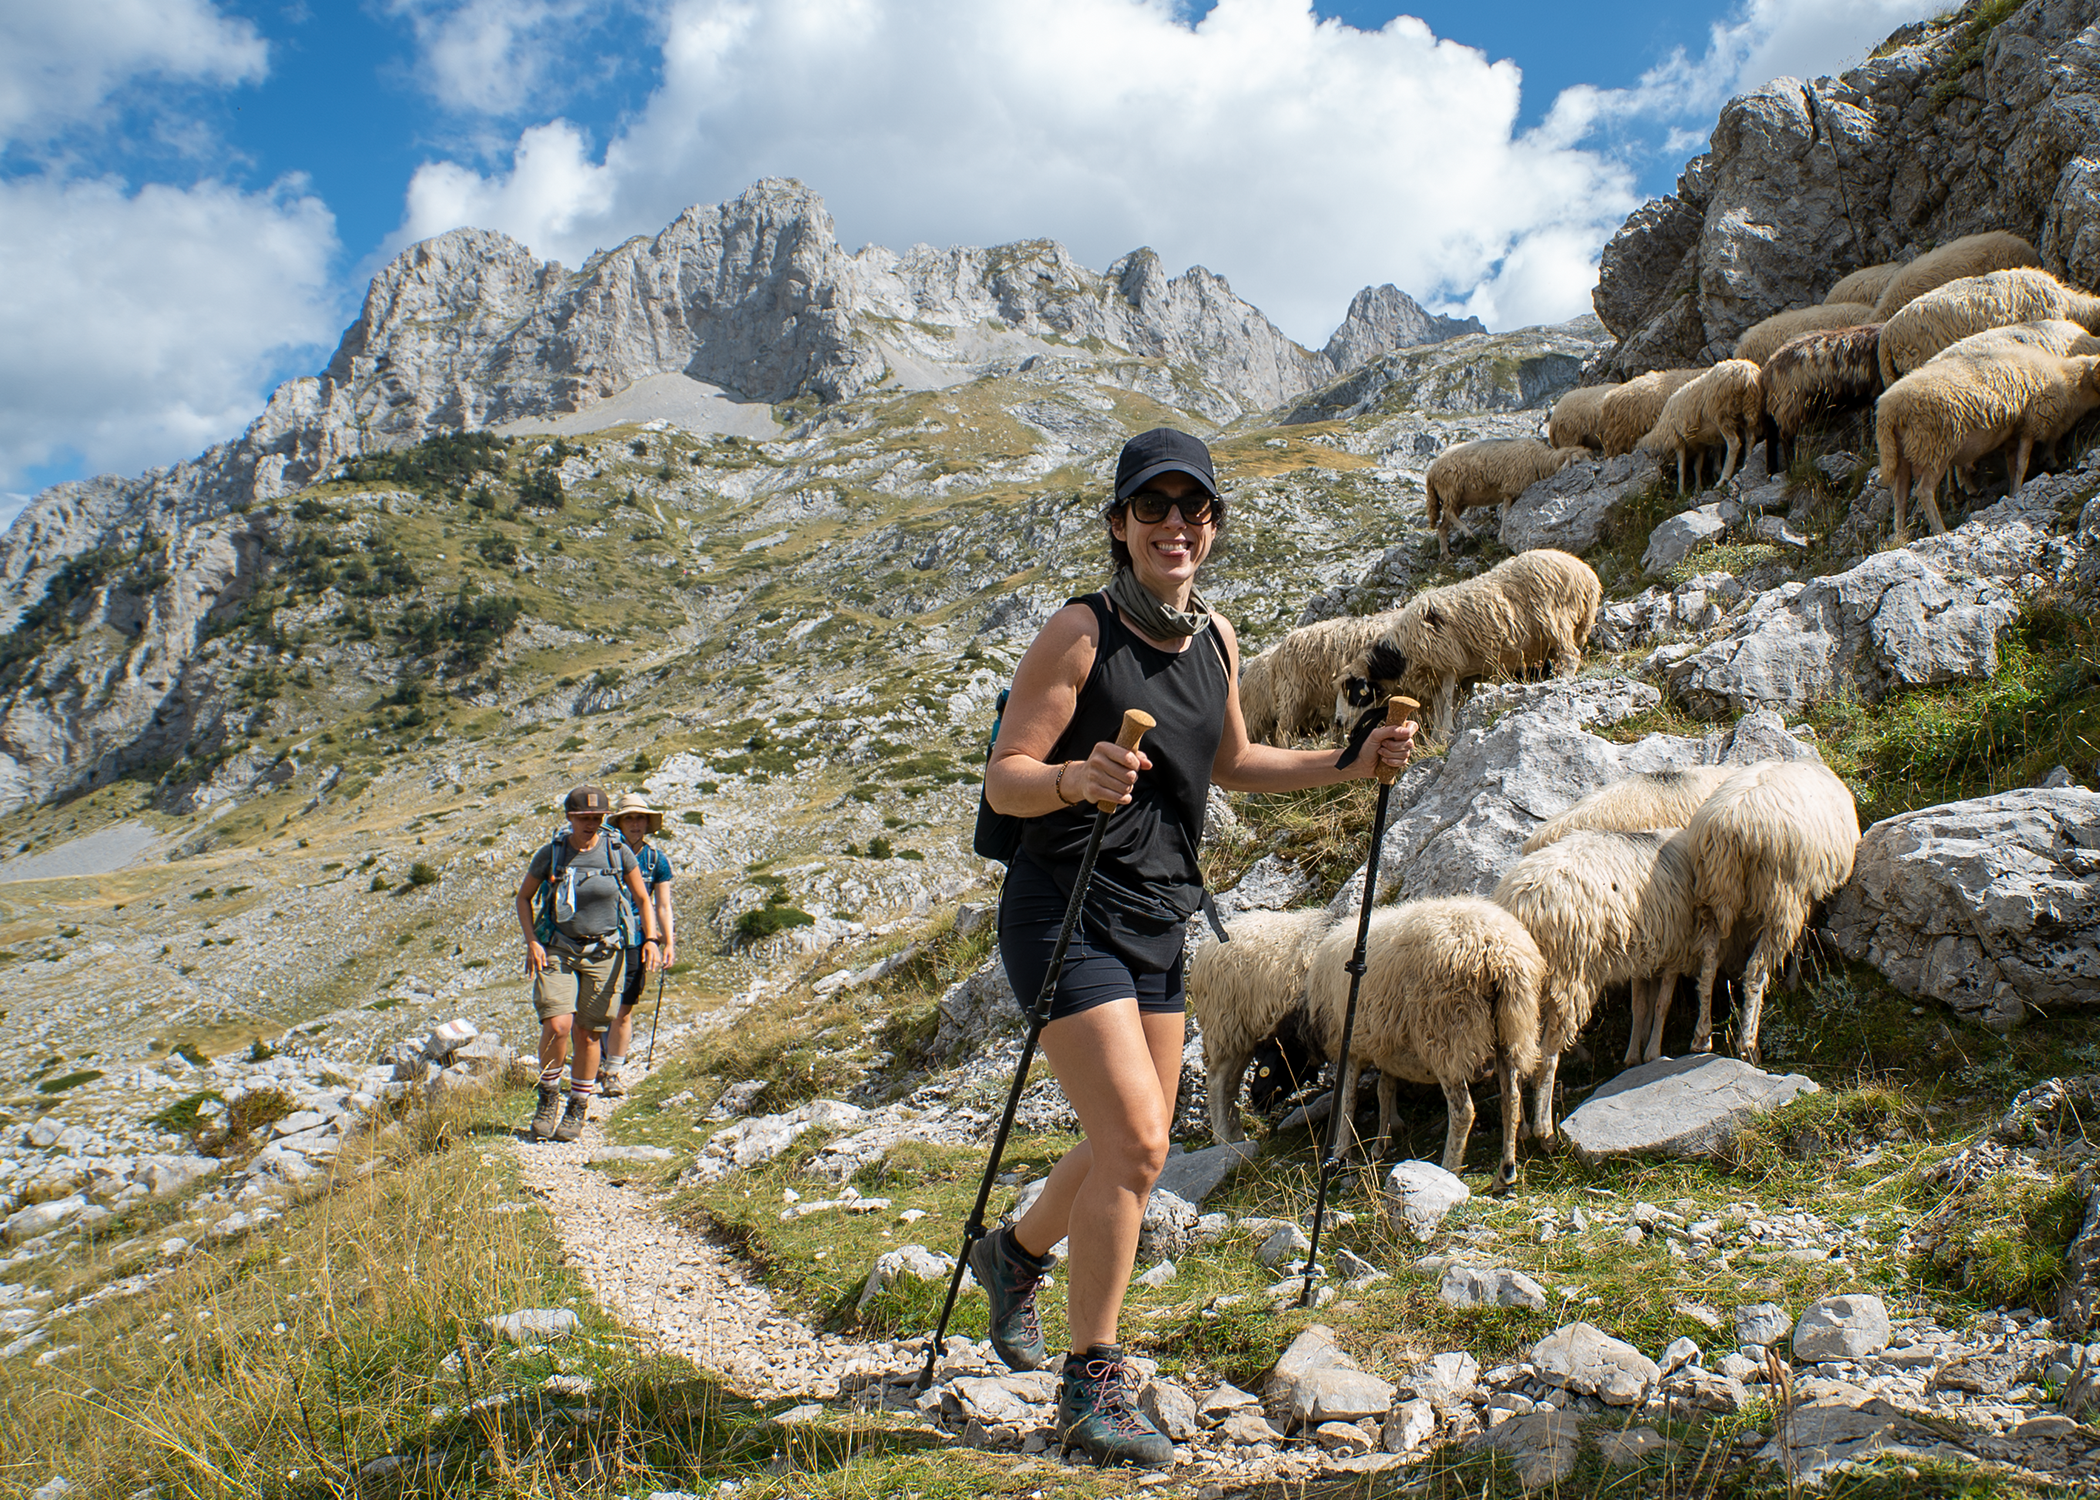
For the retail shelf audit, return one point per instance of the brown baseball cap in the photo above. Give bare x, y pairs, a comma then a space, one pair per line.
587, 799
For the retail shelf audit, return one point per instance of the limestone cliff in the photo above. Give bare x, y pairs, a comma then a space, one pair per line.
1968, 123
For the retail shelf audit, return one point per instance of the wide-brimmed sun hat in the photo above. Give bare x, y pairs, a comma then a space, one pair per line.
631, 803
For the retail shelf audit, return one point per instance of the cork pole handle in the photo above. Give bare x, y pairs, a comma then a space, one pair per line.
1398, 710
1135, 722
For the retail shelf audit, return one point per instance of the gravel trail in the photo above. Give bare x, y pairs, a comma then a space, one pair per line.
679, 1289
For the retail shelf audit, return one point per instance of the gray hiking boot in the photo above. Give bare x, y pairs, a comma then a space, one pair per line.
544, 1118
1009, 1276
1097, 1412
609, 1085
571, 1125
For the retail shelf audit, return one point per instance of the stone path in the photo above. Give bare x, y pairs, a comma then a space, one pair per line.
680, 1290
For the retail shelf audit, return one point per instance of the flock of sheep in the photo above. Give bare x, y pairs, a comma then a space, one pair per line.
1647, 880
1966, 350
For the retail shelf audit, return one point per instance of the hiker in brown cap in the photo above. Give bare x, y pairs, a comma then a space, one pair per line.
636, 820
586, 921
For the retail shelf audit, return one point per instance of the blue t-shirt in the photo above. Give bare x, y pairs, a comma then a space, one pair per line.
655, 865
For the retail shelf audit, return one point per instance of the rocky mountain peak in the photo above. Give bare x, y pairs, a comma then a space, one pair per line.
1384, 318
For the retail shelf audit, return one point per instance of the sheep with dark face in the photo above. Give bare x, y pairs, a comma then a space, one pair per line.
1815, 375
1287, 692
1535, 608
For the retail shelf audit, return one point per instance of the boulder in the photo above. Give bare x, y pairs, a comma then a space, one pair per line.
1408, 1426
907, 1263
1894, 621
1171, 1408
1543, 1446
973, 1010
1693, 1390
1576, 508
1692, 608
1761, 1324
42, 1218
532, 1325
1446, 1381
1311, 1357
1679, 1107
1848, 1327
1272, 883
1989, 906
1168, 1229
1477, 1286
1286, 1242
1224, 1400
1342, 1439
1418, 1194
1332, 1393
1675, 539
165, 1176
1585, 1359
1193, 1176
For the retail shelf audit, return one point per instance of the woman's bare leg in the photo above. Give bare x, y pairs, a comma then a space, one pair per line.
1120, 1069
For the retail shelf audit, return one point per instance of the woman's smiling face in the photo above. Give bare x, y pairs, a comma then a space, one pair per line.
1166, 554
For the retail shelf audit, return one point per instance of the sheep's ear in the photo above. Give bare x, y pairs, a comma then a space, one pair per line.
1433, 618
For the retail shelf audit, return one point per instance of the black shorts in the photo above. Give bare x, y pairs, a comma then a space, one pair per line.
1031, 913
637, 976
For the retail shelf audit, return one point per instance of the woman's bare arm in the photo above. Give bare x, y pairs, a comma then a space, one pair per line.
1021, 780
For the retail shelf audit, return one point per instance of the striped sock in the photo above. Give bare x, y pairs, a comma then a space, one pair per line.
582, 1088
550, 1076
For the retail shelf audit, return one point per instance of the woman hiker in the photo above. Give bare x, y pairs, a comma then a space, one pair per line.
588, 944
1114, 1038
636, 820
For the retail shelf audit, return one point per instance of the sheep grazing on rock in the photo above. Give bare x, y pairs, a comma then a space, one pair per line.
1287, 692
1648, 799
1577, 419
1864, 285
1816, 375
1245, 992
1537, 607
1773, 839
1760, 341
1450, 987
1491, 471
1971, 255
1724, 405
1947, 413
1973, 305
1605, 906
1631, 409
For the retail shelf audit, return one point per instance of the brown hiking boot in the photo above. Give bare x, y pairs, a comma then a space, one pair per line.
544, 1118
571, 1125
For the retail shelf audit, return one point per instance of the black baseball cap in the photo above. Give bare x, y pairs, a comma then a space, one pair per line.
1160, 451
587, 799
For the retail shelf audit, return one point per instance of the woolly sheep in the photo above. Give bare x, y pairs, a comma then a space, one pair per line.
1577, 418
1951, 412
1648, 799
1534, 608
1287, 692
1244, 992
1631, 409
1772, 840
1971, 255
1760, 341
2058, 336
1972, 305
1724, 405
1451, 986
1817, 374
1604, 906
1490, 471
1866, 284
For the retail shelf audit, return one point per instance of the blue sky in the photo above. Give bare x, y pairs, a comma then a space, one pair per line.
194, 192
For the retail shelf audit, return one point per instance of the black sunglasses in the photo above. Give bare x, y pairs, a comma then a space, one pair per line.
1151, 507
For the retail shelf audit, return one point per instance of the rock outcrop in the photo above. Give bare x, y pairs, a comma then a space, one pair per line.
1961, 125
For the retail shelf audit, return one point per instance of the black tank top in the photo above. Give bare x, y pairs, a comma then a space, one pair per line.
1151, 844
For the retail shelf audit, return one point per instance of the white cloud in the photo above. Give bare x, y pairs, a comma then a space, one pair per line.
494, 56
141, 326
61, 62
1300, 158
1765, 39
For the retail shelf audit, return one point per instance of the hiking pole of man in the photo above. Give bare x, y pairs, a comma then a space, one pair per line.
636, 820
588, 872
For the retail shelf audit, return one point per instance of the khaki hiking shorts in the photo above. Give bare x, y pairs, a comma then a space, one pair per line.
593, 997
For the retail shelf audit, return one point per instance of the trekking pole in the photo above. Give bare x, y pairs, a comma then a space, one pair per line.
650, 1061
1396, 712
1135, 723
